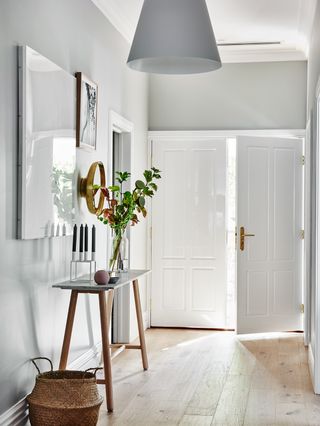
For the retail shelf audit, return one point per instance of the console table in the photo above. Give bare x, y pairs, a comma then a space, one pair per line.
105, 293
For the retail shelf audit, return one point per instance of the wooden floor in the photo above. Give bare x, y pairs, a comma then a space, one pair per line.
214, 378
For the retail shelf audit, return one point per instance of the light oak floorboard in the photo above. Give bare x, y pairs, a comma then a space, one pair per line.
198, 377
188, 420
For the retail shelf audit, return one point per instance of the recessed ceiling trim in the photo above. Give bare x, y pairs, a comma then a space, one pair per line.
306, 18
250, 43
246, 54
231, 52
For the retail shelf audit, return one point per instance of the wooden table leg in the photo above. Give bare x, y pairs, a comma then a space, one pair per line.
68, 330
140, 324
105, 319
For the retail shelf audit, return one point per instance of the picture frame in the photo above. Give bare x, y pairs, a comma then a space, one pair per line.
87, 97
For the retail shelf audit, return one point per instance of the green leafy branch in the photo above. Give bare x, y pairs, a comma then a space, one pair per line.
124, 207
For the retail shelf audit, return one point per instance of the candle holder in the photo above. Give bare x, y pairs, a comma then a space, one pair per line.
74, 269
84, 256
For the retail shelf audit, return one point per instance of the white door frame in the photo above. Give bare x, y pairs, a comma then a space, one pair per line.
314, 356
123, 298
307, 232
117, 123
154, 136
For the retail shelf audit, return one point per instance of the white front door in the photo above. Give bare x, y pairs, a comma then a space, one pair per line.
269, 272
189, 234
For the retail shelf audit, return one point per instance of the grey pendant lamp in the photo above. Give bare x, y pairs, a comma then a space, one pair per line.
174, 37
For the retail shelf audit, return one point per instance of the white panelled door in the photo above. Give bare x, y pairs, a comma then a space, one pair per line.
269, 277
188, 234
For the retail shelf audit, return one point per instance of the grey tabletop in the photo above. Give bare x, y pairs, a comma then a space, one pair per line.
86, 285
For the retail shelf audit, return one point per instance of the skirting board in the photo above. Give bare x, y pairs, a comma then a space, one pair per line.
311, 365
17, 415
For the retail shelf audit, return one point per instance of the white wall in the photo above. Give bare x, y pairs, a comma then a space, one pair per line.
238, 96
76, 36
314, 59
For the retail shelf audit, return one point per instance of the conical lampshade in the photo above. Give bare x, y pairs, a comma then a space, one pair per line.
174, 37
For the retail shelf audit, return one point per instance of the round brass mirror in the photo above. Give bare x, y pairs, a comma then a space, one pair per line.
87, 190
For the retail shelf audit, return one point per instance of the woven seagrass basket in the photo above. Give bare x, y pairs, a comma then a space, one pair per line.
64, 398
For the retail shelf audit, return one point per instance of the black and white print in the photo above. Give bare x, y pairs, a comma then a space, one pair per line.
86, 112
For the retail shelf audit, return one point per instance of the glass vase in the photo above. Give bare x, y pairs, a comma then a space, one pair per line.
119, 252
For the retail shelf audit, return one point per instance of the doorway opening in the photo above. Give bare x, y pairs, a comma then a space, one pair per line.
120, 159
206, 272
231, 224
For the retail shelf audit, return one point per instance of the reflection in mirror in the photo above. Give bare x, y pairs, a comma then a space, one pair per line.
62, 179
47, 153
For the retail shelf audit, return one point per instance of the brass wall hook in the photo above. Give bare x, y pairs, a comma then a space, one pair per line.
88, 192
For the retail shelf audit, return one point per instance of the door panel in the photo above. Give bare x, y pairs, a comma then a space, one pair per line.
188, 234
269, 281
258, 204
173, 207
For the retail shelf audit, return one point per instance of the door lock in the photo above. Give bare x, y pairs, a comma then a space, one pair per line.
243, 235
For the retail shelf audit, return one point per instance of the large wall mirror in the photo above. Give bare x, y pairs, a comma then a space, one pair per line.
47, 147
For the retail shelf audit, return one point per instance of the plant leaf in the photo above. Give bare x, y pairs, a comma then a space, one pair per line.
127, 195
148, 175
144, 212
154, 186
140, 184
105, 192
142, 202
148, 192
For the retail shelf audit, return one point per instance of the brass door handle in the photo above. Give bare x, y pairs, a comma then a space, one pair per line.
243, 235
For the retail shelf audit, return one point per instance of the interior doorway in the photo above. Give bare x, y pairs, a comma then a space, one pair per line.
189, 233
199, 275
120, 159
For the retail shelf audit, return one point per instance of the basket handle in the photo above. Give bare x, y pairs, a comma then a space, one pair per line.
33, 360
94, 371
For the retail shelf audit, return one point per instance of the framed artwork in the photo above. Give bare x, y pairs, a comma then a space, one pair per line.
87, 92
47, 147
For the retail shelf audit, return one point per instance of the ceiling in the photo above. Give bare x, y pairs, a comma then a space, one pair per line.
287, 23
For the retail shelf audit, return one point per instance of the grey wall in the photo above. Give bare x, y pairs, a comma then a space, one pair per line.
76, 36
238, 96
314, 59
